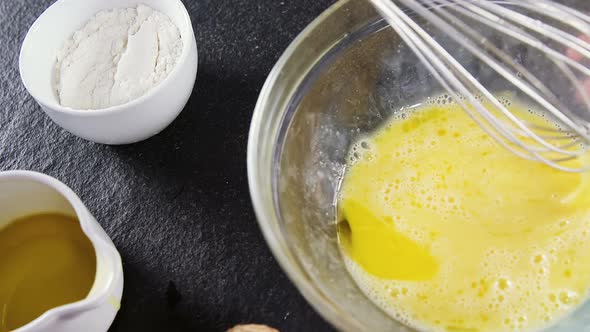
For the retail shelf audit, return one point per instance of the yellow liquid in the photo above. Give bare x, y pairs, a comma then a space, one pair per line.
447, 231
45, 261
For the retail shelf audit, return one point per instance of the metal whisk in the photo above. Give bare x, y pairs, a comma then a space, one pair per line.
546, 27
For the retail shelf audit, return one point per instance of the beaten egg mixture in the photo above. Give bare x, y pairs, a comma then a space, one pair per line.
446, 230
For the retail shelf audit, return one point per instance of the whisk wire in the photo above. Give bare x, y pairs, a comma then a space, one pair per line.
445, 76
568, 16
501, 70
510, 131
565, 39
547, 30
534, 42
506, 60
499, 54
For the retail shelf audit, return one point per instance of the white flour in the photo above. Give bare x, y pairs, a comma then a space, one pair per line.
118, 56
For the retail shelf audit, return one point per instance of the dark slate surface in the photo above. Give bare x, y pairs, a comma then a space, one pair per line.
177, 205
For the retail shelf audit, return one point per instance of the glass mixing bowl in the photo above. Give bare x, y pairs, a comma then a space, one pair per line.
340, 79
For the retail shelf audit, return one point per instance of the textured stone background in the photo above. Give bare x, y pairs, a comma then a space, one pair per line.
177, 205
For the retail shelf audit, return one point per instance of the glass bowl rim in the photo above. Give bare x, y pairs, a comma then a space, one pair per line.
262, 197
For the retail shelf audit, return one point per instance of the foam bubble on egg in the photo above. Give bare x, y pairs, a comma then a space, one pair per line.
436, 188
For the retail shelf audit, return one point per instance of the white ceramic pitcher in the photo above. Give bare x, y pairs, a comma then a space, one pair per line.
24, 193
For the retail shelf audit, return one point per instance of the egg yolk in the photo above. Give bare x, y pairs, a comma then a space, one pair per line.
446, 230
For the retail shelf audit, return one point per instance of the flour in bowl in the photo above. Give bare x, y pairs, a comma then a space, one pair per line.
118, 56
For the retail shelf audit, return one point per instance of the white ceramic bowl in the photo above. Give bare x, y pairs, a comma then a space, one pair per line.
128, 123
24, 193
